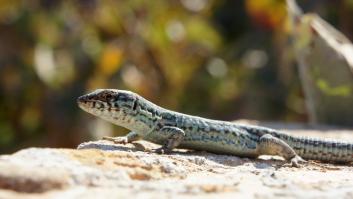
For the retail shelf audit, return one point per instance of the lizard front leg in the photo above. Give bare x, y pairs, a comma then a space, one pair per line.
270, 145
130, 137
174, 137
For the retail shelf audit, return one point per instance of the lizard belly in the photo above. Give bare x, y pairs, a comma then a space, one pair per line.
216, 142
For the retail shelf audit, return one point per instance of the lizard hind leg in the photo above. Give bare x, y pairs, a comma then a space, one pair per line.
270, 145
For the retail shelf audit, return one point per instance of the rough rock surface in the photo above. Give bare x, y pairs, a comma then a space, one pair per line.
101, 169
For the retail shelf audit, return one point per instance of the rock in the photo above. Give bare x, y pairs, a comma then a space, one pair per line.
320, 49
101, 169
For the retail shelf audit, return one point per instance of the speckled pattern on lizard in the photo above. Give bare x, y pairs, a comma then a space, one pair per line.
171, 129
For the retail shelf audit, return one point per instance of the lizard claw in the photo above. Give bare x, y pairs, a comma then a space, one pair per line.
116, 140
297, 161
159, 150
162, 150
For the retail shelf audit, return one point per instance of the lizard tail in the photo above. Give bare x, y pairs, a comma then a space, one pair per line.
311, 148
321, 149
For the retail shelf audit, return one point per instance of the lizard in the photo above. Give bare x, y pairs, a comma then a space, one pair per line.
172, 129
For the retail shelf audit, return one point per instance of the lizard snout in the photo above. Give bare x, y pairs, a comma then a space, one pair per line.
81, 99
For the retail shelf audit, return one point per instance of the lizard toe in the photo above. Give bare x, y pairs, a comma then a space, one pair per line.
116, 140
160, 150
297, 161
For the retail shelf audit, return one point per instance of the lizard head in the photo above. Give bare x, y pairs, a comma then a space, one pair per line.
110, 104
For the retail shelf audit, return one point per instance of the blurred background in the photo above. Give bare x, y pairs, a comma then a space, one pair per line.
220, 59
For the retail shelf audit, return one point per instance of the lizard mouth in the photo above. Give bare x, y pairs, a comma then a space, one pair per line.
85, 103
82, 99
90, 105
82, 102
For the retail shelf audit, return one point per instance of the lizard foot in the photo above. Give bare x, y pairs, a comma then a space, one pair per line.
297, 161
162, 150
117, 140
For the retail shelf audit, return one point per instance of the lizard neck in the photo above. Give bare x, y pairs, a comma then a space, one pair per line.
145, 118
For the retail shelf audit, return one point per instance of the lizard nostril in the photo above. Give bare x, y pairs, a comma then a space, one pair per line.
82, 99
79, 99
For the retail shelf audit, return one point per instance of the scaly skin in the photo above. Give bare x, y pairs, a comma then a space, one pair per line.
176, 130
